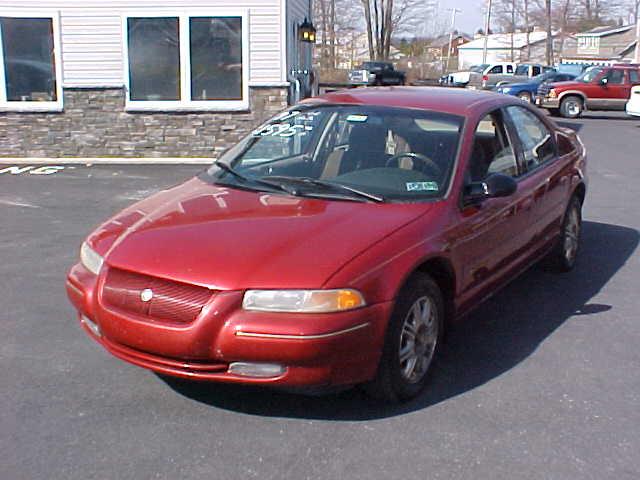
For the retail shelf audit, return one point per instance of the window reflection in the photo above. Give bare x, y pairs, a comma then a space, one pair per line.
216, 58
154, 58
29, 64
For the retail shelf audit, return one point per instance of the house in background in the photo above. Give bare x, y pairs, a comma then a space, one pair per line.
605, 45
437, 48
499, 48
138, 78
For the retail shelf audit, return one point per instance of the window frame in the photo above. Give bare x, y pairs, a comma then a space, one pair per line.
185, 103
504, 130
34, 106
526, 170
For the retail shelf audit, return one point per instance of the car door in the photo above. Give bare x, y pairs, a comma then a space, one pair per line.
547, 177
612, 92
489, 237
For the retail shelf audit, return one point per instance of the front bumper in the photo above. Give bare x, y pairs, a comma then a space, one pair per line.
633, 108
315, 349
547, 102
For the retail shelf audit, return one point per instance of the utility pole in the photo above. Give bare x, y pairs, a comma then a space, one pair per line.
549, 34
637, 59
486, 32
453, 24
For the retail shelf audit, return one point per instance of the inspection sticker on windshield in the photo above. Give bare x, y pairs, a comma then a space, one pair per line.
357, 118
422, 187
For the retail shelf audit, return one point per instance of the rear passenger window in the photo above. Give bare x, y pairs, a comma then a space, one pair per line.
509, 68
535, 137
492, 150
634, 76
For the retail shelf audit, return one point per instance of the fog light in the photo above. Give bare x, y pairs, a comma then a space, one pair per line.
261, 370
95, 329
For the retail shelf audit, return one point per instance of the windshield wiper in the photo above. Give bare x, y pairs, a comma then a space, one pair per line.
229, 169
277, 179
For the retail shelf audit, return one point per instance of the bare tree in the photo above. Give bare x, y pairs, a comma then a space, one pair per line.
549, 33
382, 19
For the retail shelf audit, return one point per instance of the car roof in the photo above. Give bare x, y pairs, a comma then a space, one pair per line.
456, 101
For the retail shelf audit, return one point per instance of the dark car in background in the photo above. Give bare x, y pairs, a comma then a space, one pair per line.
376, 73
527, 90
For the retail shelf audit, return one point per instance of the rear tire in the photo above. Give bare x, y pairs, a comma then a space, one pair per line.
571, 107
412, 342
563, 256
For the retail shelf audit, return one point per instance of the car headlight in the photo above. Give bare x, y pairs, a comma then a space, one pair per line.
90, 259
553, 93
303, 301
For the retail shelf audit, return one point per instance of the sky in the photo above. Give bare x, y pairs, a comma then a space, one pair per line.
470, 19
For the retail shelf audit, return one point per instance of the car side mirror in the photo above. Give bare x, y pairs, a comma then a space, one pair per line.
494, 186
604, 81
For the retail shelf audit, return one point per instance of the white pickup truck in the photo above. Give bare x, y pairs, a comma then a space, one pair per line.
475, 73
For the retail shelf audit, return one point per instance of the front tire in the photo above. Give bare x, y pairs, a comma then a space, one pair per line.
413, 338
571, 107
525, 96
563, 257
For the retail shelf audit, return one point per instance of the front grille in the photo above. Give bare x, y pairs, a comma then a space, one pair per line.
543, 90
170, 301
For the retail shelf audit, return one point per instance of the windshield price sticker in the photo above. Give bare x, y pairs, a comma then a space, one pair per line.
422, 187
357, 118
282, 130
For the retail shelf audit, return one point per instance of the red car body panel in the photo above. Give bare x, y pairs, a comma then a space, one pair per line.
230, 240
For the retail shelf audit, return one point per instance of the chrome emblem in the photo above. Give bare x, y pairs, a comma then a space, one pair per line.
146, 295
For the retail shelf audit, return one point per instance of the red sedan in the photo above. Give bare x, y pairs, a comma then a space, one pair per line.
336, 243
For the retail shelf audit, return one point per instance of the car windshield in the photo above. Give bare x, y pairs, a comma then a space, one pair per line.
478, 68
589, 75
362, 153
545, 76
371, 65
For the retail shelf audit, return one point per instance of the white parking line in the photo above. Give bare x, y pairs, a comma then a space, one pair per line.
32, 169
17, 203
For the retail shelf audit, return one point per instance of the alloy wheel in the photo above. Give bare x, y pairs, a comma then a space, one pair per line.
571, 235
418, 340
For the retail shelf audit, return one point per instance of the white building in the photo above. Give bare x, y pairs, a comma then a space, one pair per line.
193, 63
499, 48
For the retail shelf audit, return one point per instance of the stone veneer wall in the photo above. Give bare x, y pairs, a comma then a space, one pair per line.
94, 124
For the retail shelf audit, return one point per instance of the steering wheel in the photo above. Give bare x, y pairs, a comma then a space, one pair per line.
423, 159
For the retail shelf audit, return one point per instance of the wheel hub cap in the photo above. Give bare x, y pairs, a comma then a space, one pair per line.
571, 235
418, 340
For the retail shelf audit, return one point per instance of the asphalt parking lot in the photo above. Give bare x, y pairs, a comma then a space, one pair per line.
543, 381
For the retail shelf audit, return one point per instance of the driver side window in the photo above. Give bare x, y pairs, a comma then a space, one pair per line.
492, 150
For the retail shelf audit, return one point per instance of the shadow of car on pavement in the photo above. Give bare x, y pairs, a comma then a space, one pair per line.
495, 338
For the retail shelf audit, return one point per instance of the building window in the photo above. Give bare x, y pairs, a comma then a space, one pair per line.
29, 64
187, 62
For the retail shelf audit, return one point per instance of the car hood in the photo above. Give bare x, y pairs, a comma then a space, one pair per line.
566, 85
230, 239
520, 85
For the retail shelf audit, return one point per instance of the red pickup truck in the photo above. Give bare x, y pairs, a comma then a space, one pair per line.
598, 88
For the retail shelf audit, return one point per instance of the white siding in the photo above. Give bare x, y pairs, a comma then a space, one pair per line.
92, 43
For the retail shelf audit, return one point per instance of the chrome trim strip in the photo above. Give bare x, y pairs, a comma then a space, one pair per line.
240, 333
75, 289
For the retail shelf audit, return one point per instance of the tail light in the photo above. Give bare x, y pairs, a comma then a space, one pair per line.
485, 78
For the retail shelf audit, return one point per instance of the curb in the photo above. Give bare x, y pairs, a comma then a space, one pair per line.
105, 161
